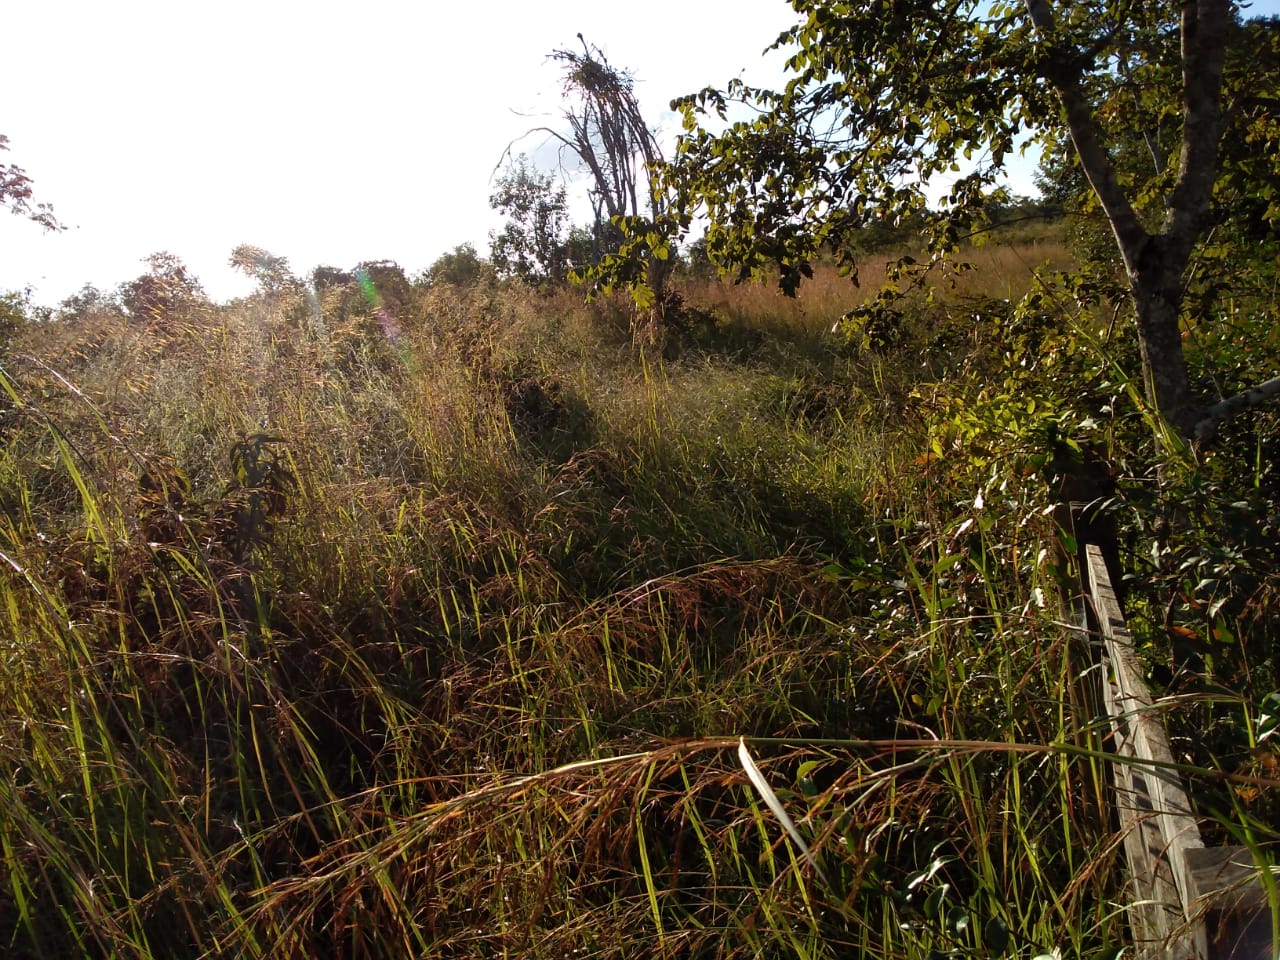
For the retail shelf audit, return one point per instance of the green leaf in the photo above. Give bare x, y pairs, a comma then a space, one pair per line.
995, 936
932, 908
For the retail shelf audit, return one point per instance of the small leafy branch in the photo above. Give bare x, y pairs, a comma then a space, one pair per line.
257, 496
16, 194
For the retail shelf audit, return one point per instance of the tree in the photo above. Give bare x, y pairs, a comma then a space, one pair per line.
167, 294
696, 264
609, 137
889, 94
323, 278
1246, 202
272, 273
460, 267
88, 303
375, 294
385, 289
583, 247
531, 247
16, 194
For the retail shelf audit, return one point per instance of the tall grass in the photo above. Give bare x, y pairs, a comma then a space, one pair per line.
997, 270
318, 643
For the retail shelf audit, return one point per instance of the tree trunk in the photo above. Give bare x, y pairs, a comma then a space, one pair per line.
1156, 287
1156, 263
652, 325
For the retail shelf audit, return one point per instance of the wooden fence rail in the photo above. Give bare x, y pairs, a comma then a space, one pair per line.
1189, 900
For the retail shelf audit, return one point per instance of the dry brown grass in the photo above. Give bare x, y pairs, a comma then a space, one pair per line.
998, 271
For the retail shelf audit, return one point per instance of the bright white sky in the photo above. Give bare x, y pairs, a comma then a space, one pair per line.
326, 132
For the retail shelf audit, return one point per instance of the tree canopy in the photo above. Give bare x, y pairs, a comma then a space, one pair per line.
888, 96
167, 294
632, 223
272, 273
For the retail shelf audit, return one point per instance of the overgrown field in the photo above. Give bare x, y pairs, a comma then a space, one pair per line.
444, 635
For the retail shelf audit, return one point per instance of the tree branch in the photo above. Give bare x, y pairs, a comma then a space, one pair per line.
1224, 410
15, 193
1204, 28
1094, 160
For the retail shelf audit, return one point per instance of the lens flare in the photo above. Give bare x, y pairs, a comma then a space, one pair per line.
386, 322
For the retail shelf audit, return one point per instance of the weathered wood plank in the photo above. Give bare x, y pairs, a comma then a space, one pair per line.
1190, 901
1154, 810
